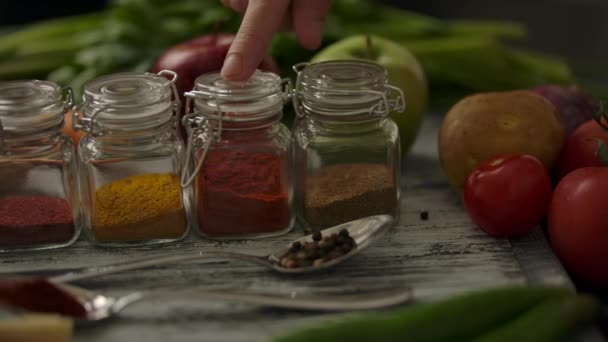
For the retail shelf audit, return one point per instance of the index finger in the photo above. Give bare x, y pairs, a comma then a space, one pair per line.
262, 19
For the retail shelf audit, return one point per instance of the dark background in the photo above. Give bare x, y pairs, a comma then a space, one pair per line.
16, 12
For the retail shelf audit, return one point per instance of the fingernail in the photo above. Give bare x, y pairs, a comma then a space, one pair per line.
233, 66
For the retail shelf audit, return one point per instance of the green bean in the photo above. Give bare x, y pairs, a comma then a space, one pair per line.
456, 319
555, 320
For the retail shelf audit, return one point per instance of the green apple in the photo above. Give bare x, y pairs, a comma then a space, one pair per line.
404, 72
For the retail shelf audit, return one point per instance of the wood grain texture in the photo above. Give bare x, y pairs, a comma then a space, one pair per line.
438, 257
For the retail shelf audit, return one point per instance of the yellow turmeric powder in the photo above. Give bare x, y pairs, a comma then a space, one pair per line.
140, 207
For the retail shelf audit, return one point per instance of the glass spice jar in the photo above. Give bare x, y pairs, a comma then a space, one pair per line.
347, 158
38, 186
241, 156
131, 159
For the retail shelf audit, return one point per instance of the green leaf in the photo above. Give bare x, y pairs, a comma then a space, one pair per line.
602, 152
601, 115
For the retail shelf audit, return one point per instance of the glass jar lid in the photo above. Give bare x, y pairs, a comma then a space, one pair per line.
31, 106
261, 96
128, 102
345, 88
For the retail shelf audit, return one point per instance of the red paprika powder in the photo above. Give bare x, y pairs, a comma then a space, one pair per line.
243, 193
35, 220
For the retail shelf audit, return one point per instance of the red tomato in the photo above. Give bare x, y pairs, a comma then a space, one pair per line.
578, 226
508, 195
581, 148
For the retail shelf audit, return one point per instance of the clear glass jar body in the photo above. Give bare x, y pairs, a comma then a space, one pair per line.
130, 162
242, 158
347, 157
39, 205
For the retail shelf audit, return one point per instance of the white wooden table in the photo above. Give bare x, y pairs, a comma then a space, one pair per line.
438, 257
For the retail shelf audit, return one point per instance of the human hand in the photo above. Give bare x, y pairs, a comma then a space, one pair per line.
261, 20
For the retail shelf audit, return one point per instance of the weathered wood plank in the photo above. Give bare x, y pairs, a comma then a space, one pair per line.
438, 257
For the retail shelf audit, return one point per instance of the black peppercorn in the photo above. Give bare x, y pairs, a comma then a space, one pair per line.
320, 250
302, 255
424, 215
310, 245
318, 262
335, 254
304, 262
345, 248
296, 246
317, 236
340, 239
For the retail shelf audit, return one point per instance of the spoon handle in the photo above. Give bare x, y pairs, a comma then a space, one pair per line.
94, 271
322, 302
367, 300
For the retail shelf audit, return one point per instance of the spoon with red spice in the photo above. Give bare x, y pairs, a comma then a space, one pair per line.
310, 253
43, 295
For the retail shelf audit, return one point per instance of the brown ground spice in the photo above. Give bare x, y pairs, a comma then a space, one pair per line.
345, 192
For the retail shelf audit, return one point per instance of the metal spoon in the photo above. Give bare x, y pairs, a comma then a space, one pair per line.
364, 231
100, 307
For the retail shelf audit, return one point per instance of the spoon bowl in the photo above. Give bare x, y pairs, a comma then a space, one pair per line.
98, 306
363, 231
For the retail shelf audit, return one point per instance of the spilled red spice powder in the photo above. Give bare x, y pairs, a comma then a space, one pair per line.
243, 193
39, 295
34, 220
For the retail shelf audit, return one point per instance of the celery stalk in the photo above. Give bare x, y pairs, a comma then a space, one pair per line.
483, 64
544, 65
69, 43
61, 27
32, 65
501, 29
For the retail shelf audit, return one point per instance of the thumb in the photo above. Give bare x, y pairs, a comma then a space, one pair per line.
308, 21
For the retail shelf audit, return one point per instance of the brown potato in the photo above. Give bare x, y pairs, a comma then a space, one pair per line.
486, 125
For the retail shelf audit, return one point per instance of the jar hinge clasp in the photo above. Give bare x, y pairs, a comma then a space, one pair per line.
81, 123
297, 90
298, 67
382, 108
68, 98
177, 104
1, 138
200, 125
398, 104
287, 89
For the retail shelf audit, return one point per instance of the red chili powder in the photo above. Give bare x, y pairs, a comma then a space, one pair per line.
34, 220
40, 295
242, 193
